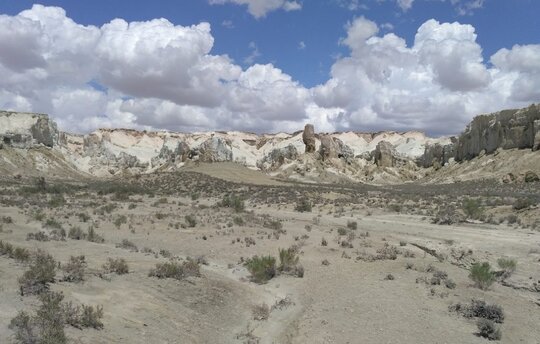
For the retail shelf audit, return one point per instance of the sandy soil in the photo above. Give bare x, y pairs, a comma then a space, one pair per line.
349, 300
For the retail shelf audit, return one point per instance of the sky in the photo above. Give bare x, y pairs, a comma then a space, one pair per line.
269, 65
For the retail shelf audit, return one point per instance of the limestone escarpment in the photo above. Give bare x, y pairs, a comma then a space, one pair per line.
505, 129
369, 157
27, 130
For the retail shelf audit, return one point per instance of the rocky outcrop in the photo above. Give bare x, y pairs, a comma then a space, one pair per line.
384, 154
334, 148
27, 130
168, 155
505, 129
215, 149
438, 155
277, 157
536, 142
328, 148
308, 137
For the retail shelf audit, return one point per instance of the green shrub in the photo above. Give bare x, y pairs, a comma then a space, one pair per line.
25, 329
523, 203
74, 270
83, 316
191, 220
76, 233
352, 225
273, 224
120, 220
52, 223
288, 262
508, 265
127, 245
117, 266
50, 319
40, 273
57, 201
176, 270
92, 236
262, 269
482, 275
84, 217
239, 221
304, 205
487, 329
472, 208
234, 202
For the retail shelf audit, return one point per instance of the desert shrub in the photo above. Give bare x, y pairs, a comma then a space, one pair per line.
191, 220
324, 242
488, 329
50, 319
511, 219
58, 234
273, 224
84, 217
480, 309
447, 216
288, 262
7, 219
120, 220
38, 236
76, 233
389, 277
57, 201
21, 255
234, 202
387, 252
262, 269
127, 245
342, 231
25, 329
450, 284
52, 223
261, 312
303, 206
239, 221
47, 325
83, 316
176, 270
523, 203
165, 253
92, 236
508, 265
472, 208
74, 270
40, 273
6, 249
482, 275
117, 266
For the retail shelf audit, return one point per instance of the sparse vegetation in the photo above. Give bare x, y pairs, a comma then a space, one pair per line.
176, 270
40, 273
303, 206
482, 275
116, 265
488, 329
262, 269
74, 270
127, 245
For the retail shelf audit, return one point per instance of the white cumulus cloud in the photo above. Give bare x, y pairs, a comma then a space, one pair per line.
157, 75
260, 8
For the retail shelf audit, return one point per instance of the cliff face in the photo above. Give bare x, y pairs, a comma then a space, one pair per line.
360, 156
27, 130
505, 129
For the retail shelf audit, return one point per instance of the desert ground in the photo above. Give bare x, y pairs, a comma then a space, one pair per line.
367, 264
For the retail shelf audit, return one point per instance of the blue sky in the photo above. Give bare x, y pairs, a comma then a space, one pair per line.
304, 41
